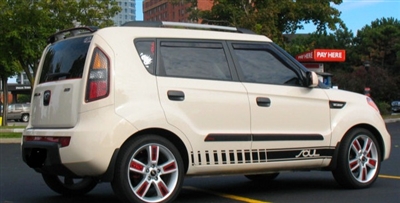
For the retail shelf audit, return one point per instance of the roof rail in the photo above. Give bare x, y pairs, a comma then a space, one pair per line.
63, 34
186, 25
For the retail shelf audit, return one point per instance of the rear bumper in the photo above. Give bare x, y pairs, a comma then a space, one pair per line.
93, 142
44, 157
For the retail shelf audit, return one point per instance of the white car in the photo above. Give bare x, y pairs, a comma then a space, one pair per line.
146, 104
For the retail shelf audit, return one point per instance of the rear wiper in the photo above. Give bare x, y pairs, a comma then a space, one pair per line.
56, 76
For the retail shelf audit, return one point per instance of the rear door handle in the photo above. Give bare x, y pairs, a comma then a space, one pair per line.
175, 95
263, 101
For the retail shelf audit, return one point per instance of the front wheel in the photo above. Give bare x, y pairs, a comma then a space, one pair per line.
358, 160
149, 169
70, 186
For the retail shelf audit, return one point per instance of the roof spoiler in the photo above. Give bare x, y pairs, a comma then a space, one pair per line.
63, 34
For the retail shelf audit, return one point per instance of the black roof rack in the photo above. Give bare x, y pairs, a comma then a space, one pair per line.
71, 32
186, 25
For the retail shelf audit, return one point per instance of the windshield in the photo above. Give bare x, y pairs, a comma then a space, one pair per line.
65, 59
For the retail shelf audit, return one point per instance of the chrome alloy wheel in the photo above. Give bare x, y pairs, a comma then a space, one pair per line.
363, 158
153, 173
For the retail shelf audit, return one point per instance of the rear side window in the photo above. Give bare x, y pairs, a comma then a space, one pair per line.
65, 59
203, 60
146, 50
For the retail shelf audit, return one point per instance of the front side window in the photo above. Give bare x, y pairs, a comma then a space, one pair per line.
259, 64
203, 60
65, 59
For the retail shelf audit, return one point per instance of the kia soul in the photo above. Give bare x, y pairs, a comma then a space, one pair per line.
146, 104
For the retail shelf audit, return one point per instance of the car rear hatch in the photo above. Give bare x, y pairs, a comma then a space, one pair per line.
60, 83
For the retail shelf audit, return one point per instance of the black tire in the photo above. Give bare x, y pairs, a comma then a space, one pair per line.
149, 169
358, 161
70, 186
25, 118
262, 177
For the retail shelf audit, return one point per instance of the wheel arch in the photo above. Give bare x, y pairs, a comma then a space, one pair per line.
368, 127
172, 137
375, 133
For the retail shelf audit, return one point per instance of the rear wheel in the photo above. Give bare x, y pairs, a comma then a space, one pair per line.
358, 160
70, 186
262, 177
149, 169
25, 118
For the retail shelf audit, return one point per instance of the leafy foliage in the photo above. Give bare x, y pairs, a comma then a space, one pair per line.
379, 43
25, 26
29, 23
273, 18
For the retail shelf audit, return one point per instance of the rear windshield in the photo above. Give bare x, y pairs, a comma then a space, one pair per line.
65, 59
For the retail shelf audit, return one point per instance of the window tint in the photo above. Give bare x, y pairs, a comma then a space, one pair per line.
146, 50
65, 59
194, 60
261, 65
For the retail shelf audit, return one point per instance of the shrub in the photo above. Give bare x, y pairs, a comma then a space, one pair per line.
384, 108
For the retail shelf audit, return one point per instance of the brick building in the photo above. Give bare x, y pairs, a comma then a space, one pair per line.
164, 10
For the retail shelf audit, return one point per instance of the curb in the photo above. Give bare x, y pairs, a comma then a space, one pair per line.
10, 140
392, 120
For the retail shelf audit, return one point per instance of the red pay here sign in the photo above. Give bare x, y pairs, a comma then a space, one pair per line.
323, 55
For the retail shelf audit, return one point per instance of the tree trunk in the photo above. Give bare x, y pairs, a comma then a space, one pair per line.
4, 80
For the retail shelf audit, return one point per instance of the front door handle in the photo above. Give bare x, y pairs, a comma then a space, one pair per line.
175, 95
263, 101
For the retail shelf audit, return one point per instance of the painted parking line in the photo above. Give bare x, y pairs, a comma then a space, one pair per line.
389, 177
248, 200
228, 196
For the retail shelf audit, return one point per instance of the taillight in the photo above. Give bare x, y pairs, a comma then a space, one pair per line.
62, 141
98, 83
372, 104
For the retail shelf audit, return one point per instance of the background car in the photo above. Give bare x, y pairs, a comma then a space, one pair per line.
19, 112
395, 106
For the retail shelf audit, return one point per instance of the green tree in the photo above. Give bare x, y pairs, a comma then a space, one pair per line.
379, 43
29, 23
381, 83
9, 66
273, 18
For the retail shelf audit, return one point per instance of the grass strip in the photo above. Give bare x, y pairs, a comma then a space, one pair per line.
10, 135
11, 127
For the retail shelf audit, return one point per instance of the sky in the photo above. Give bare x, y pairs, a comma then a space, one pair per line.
355, 13
358, 13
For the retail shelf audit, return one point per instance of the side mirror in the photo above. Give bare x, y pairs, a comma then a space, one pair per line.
312, 79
